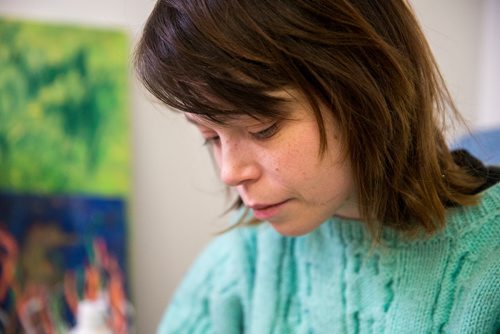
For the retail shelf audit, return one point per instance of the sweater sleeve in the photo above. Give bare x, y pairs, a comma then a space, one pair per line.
209, 299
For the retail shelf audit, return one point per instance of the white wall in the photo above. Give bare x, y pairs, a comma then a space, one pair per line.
489, 69
453, 29
176, 199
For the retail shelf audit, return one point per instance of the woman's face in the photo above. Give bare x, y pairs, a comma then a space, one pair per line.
277, 170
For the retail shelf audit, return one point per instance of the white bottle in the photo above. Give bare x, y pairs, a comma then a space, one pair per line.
91, 318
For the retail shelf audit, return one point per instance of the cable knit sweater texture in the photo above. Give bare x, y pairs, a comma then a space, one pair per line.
333, 280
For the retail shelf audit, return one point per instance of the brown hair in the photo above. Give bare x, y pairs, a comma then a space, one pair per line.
366, 61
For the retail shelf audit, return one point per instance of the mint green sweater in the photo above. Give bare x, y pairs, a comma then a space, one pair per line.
333, 280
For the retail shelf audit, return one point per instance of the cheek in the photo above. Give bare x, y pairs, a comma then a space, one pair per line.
293, 166
340, 184
326, 178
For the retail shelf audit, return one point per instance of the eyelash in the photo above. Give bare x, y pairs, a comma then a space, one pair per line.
266, 133
260, 135
211, 140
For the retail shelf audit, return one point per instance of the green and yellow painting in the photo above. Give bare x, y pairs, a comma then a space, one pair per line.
64, 176
63, 109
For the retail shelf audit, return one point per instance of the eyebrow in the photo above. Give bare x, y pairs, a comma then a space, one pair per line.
208, 122
198, 121
228, 122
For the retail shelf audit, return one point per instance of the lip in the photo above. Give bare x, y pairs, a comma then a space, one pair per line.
267, 211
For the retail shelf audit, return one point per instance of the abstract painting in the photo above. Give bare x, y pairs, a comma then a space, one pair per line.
64, 176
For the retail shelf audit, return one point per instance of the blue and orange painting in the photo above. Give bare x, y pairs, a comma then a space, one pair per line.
64, 176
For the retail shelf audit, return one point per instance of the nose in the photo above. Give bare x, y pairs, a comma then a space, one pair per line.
237, 165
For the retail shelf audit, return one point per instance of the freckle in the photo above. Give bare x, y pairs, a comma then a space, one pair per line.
276, 169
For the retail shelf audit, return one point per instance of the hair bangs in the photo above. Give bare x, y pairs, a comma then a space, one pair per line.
181, 63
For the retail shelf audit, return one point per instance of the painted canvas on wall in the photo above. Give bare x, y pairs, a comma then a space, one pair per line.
64, 176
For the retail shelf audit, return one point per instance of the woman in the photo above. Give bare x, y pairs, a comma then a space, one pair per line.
326, 117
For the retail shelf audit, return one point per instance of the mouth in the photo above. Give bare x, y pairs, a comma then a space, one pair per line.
267, 211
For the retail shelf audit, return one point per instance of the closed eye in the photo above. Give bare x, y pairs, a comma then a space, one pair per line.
266, 133
212, 140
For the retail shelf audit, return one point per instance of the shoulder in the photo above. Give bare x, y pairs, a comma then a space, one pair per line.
224, 256
476, 232
478, 292
215, 292
467, 222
